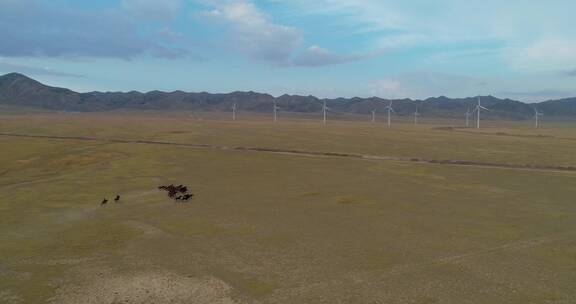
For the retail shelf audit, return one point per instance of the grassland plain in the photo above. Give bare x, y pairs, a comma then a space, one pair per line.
282, 228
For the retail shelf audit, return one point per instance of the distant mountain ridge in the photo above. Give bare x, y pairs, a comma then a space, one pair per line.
20, 90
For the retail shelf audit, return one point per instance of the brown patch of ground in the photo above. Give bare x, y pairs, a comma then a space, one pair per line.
145, 288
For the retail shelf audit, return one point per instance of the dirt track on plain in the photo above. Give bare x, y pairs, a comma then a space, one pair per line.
451, 162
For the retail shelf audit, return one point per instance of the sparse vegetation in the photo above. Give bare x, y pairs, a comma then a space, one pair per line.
275, 227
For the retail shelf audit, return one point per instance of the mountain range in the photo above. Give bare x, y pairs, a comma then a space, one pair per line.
20, 90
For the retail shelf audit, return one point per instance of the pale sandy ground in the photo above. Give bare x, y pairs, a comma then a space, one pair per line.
152, 288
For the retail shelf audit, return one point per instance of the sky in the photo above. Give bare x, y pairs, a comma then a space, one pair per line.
519, 49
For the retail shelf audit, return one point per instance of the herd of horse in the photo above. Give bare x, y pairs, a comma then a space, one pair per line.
105, 201
178, 193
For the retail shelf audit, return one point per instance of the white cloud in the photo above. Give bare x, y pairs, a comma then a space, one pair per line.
390, 88
169, 35
548, 55
427, 84
366, 15
318, 56
8, 66
253, 33
160, 10
521, 30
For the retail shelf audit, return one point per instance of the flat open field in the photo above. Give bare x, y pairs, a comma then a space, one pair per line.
291, 212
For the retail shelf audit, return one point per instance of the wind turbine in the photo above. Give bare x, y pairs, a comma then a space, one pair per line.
390, 110
416, 116
234, 111
324, 109
479, 109
468, 114
374, 116
536, 117
276, 108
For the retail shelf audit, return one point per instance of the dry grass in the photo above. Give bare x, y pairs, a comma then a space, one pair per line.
274, 228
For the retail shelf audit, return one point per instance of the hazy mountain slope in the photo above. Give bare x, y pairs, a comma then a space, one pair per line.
19, 90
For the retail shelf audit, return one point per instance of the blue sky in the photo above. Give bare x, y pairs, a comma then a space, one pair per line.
524, 50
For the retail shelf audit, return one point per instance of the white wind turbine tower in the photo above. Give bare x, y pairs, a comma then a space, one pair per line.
416, 116
374, 116
234, 111
324, 109
478, 109
390, 111
537, 118
468, 114
276, 108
